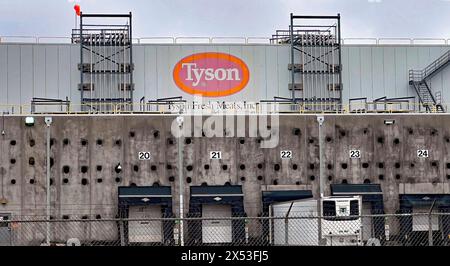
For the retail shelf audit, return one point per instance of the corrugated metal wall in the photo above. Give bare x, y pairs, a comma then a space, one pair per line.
28, 71
377, 71
50, 70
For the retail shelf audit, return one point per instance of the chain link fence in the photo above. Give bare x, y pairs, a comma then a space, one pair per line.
366, 230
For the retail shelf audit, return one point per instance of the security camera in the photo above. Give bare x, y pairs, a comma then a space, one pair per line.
320, 119
48, 121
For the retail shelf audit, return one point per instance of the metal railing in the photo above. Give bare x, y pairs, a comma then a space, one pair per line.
228, 40
427, 72
246, 108
418, 229
144, 40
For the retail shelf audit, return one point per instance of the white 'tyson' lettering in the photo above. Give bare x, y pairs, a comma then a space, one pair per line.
196, 74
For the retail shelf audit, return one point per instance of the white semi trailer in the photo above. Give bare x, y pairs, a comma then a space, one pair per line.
298, 222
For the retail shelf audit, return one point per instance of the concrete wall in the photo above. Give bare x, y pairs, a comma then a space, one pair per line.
50, 70
388, 150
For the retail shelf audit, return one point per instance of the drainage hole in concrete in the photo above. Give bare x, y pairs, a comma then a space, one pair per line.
84, 169
276, 167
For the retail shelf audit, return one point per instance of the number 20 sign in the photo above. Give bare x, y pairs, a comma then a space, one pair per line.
144, 155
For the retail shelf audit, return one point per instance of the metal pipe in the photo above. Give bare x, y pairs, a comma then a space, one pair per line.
81, 58
315, 17
340, 57
292, 57
180, 121
131, 60
320, 120
48, 122
302, 47
90, 69
430, 225
286, 225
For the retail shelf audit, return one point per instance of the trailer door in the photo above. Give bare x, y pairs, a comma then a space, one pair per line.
421, 222
145, 231
302, 228
216, 231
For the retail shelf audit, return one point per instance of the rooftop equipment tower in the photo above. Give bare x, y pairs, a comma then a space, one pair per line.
315, 65
106, 61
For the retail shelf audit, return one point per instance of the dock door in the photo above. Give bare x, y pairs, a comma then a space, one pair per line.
216, 202
142, 209
149, 231
216, 231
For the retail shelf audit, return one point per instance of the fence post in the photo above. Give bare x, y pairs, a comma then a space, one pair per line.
430, 230
122, 232
286, 231
430, 225
286, 225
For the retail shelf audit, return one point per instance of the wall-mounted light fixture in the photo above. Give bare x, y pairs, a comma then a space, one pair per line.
389, 122
29, 121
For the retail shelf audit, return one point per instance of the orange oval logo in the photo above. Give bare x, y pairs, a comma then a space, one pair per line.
211, 74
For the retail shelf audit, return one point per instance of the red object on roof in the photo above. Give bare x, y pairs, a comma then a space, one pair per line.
77, 9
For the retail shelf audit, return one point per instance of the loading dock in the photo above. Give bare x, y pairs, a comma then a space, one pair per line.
216, 202
216, 231
5, 230
301, 231
417, 227
271, 197
372, 204
145, 231
150, 204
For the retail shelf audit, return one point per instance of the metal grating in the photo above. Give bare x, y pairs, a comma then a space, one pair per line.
106, 61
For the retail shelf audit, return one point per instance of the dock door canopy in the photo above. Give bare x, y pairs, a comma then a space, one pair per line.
372, 199
146, 203
221, 202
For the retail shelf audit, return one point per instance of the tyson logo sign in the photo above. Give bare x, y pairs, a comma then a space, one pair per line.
211, 74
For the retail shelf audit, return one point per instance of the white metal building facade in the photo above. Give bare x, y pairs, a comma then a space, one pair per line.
372, 71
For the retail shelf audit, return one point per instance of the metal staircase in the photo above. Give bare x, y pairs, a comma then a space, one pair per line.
418, 80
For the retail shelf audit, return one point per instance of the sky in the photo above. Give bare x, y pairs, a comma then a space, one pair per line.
232, 18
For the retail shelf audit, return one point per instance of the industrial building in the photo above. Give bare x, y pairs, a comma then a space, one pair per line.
92, 120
